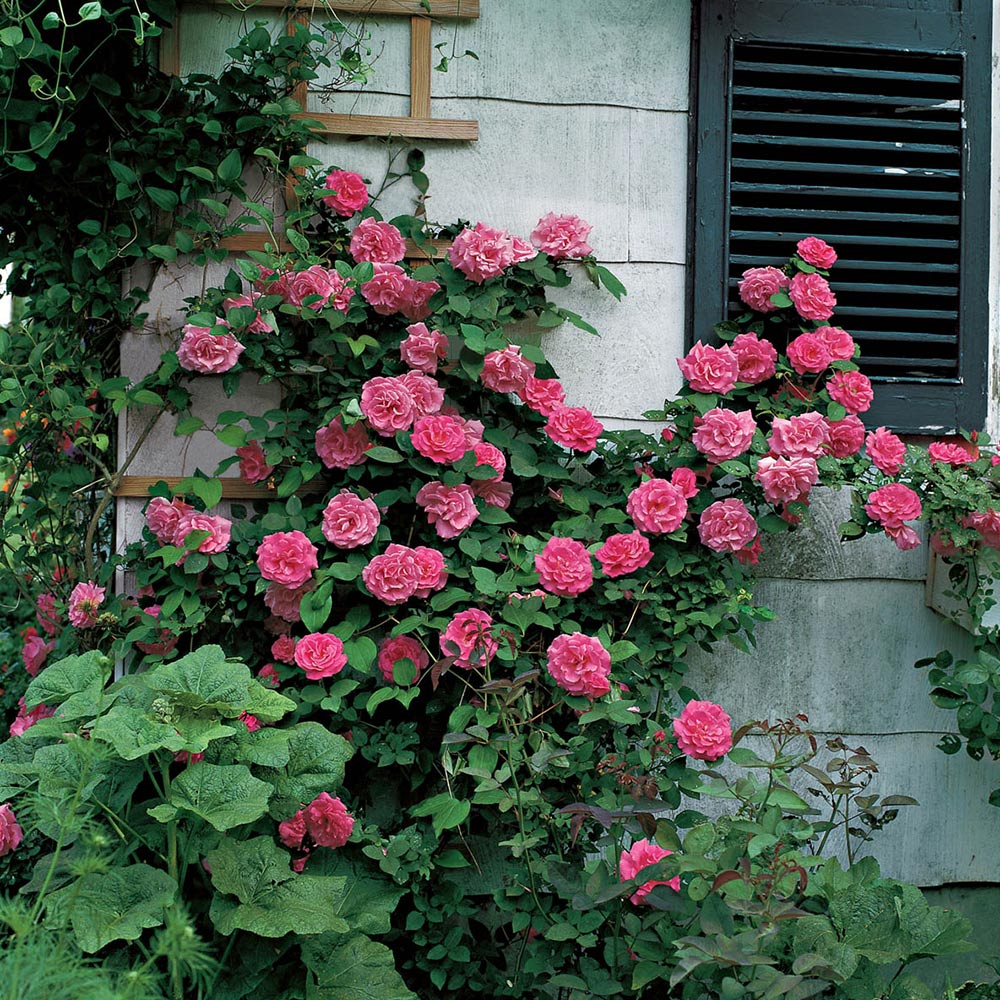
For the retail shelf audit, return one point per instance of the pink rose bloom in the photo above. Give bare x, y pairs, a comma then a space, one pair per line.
314, 281
750, 555
46, 613
387, 405
339, 448
451, 509
721, 435
904, 536
809, 354
495, 492
703, 731
805, 435
201, 351
727, 526
269, 675
657, 507
283, 649
852, 390
394, 576
291, 832
562, 236
84, 601
756, 358
987, 523
273, 282
422, 349
403, 647
624, 554
710, 369
759, 284
481, 253
349, 521
25, 719
785, 480
839, 342
284, 602
846, 436
543, 395
250, 721
166, 640
893, 504
433, 575
468, 639
320, 654
579, 664
34, 652
328, 822
574, 427
287, 557
350, 194
886, 451
522, 250
253, 466
162, 517
387, 291
491, 455
564, 567
218, 529
811, 296
639, 856
686, 481
257, 324
440, 438
817, 252
506, 370
377, 242
952, 453
10, 833
415, 301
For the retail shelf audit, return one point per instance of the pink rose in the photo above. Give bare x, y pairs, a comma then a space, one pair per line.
852, 390
543, 395
491, 455
402, 647
291, 832
564, 567
750, 554
315, 281
579, 664
349, 521
166, 641
218, 529
721, 435
817, 252
10, 833
839, 342
506, 370
258, 324
269, 675
522, 250
338, 448
283, 602
710, 369
46, 613
84, 601
886, 451
327, 821
387, 291
494, 492
394, 576
451, 509
785, 480
34, 652
809, 354
624, 554
422, 348
202, 351
562, 236
283, 649
25, 719
952, 452
320, 654
468, 639
253, 465
481, 253
574, 427
657, 507
987, 523
287, 557
686, 481
415, 301
703, 731
377, 242
727, 526
759, 284
426, 393
756, 358
387, 405
440, 438
846, 436
805, 435
893, 504
349, 192
638, 857
433, 575
162, 517
811, 296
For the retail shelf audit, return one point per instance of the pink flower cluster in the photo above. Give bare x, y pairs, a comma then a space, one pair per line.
325, 822
287, 558
204, 352
703, 731
564, 567
348, 192
320, 654
10, 832
484, 252
350, 521
377, 242
340, 447
402, 647
657, 507
450, 509
641, 855
400, 573
580, 665
391, 290
891, 506
422, 349
84, 602
468, 637
562, 236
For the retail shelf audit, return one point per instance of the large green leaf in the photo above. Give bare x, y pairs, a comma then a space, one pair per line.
75, 685
316, 759
204, 678
355, 969
267, 747
225, 795
132, 732
368, 901
114, 905
932, 930
266, 704
18, 769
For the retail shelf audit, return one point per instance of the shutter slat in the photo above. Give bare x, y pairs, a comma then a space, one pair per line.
825, 142
822, 214
844, 286
804, 69
743, 261
840, 192
842, 168
920, 338
888, 241
842, 121
845, 311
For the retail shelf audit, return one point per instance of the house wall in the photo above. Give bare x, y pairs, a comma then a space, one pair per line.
585, 107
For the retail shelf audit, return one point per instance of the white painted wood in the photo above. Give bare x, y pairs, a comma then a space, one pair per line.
993, 383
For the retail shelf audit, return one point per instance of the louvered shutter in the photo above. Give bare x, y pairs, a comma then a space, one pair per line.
833, 125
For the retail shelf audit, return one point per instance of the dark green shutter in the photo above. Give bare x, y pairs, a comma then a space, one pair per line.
868, 125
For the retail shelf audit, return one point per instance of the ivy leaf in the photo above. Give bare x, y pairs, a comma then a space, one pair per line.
75, 684
230, 168
225, 795
316, 759
355, 969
